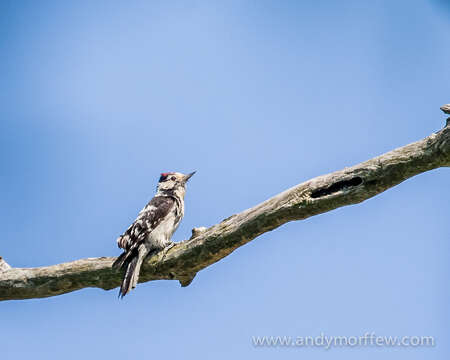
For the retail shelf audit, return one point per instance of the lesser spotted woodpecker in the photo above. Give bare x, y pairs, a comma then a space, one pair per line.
153, 228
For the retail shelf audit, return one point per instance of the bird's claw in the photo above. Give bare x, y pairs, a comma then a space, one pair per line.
166, 249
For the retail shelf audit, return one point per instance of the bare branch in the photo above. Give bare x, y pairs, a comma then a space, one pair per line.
207, 246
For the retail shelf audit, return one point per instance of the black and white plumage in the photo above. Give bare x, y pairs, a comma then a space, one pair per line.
153, 228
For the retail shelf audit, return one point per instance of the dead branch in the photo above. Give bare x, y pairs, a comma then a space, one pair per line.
206, 246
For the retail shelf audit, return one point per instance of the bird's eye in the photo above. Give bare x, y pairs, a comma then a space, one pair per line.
173, 178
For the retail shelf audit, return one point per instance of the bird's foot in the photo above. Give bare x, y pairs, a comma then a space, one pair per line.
166, 249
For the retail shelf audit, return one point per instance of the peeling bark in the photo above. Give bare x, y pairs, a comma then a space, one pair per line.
206, 246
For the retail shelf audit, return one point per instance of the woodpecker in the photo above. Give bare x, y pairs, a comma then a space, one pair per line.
153, 228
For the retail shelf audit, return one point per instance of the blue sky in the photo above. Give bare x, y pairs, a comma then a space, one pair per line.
98, 97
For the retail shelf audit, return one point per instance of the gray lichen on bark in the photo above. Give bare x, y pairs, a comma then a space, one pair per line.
206, 246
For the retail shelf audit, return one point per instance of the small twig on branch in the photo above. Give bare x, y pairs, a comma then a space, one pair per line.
4, 265
324, 193
446, 109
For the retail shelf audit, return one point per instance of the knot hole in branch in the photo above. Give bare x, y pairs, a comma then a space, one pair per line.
337, 186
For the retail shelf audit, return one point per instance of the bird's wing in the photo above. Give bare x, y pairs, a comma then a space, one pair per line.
148, 219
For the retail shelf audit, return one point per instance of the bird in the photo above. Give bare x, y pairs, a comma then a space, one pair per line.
153, 228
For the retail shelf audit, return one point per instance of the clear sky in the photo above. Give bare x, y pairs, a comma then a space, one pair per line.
99, 97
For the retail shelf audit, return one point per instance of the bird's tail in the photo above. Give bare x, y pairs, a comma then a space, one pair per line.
130, 261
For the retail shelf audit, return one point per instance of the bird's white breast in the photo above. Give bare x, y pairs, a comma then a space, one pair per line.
161, 235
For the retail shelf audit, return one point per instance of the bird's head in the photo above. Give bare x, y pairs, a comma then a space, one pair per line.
174, 182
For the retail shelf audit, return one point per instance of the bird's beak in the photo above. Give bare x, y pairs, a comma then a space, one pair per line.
188, 176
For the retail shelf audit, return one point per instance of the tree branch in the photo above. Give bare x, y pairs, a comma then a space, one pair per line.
207, 246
